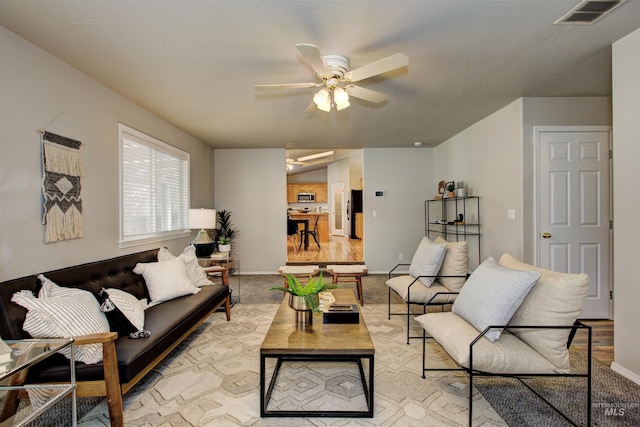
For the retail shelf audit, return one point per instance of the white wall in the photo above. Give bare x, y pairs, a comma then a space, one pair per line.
406, 177
626, 196
487, 158
252, 184
38, 90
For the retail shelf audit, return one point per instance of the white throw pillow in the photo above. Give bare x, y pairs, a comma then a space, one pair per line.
557, 299
491, 296
166, 280
61, 312
196, 273
427, 260
455, 263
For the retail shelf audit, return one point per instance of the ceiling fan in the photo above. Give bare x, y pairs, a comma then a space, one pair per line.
337, 78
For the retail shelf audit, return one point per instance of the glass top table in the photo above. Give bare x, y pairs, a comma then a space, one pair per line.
25, 354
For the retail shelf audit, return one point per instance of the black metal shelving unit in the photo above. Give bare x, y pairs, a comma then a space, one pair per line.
442, 218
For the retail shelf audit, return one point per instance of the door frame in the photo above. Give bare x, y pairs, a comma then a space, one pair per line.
537, 130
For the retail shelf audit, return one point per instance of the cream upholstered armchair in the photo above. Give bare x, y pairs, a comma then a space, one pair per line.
515, 320
436, 274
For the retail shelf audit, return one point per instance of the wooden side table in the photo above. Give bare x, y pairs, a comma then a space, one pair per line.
349, 273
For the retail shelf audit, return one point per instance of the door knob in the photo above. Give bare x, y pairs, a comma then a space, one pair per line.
546, 235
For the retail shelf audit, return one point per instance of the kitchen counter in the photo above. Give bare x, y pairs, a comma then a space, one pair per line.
323, 224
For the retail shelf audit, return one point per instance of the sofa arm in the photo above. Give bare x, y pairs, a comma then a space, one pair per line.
111, 373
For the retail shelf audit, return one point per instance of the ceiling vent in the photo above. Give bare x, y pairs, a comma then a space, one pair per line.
588, 12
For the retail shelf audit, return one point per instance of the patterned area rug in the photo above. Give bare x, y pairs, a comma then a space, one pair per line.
212, 379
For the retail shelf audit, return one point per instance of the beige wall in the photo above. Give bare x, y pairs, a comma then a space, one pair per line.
626, 196
487, 158
406, 177
252, 183
39, 90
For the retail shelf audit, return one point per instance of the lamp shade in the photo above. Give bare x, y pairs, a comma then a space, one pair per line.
204, 219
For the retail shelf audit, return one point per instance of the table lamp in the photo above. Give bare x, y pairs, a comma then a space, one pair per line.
203, 219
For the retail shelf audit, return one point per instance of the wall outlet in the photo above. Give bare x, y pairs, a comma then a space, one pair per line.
511, 214
374, 214
401, 257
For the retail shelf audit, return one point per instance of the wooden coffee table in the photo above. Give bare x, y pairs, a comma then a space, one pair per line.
317, 342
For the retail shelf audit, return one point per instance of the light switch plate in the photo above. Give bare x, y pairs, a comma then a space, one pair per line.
511, 214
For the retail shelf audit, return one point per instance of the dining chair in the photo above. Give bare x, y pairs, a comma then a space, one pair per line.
312, 232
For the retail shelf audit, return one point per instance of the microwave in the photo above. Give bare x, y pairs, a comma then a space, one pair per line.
306, 197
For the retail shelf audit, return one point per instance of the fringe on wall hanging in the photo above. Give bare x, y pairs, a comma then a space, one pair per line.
61, 171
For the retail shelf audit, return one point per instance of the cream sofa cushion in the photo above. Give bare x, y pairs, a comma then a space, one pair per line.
455, 263
557, 299
506, 355
419, 293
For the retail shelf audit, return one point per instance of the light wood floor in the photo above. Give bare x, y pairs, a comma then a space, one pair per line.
601, 340
339, 250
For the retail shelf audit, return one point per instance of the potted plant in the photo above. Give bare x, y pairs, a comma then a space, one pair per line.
225, 231
304, 298
224, 244
451, 190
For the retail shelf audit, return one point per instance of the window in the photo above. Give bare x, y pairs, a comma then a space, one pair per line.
154, 189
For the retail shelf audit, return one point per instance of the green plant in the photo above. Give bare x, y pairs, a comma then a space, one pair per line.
224, 241
451, 187
225, 229
308, 291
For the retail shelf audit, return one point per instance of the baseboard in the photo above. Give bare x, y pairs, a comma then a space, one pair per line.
625, 373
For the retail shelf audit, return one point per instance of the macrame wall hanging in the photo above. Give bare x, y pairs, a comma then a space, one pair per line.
61, 171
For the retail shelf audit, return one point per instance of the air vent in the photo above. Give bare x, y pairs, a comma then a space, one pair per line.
588, 12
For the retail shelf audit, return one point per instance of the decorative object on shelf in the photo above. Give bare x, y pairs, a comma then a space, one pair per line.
224, 244
204, 219
451, 189
225, 229
440, 194
62, 168
304, 298
461, 192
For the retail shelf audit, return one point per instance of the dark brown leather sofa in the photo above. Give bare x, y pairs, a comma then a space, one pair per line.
126, 360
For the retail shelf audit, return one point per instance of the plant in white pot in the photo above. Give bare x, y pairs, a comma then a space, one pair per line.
304, 298
225, 231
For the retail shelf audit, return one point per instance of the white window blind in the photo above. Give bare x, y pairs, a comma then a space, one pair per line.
154, 202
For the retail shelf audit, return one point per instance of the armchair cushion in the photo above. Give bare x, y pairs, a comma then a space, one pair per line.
455, 263
427, 260
419, 294
506, 355
557, 299
492, 294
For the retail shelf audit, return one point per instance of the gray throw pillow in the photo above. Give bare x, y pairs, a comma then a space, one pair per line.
491, 296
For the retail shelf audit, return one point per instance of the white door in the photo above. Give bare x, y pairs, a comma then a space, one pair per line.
573, 210
337, 210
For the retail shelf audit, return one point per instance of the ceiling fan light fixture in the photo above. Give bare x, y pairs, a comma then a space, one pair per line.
340, 96
324, 107
342, 105
322, 98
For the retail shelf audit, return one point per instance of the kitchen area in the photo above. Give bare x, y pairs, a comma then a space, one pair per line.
317, 199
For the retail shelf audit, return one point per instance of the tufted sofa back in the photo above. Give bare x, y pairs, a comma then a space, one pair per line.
111, 273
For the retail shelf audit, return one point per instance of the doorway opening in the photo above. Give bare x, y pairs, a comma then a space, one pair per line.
320, 195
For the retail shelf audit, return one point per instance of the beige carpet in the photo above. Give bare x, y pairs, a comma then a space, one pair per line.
212, 379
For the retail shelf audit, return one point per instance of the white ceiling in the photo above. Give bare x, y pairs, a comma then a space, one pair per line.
195, 62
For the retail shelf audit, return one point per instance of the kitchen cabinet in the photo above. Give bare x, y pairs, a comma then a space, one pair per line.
319, 189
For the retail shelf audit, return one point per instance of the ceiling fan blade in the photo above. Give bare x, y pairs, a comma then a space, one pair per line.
314, 58
366, 94
311, 108
287, 86
389, 63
